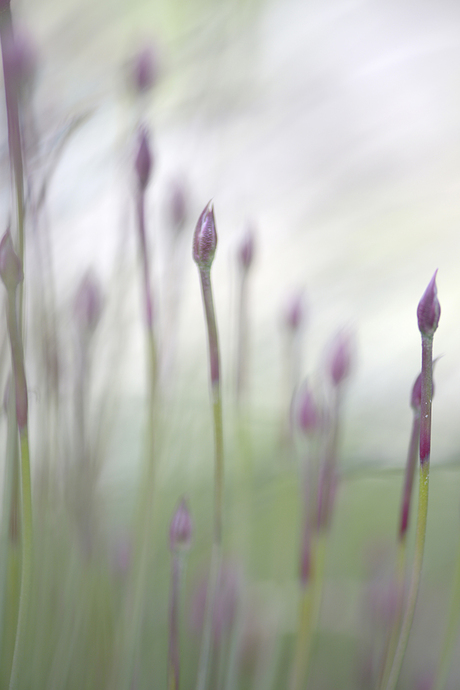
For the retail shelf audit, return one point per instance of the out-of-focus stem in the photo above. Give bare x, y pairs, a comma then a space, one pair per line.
243, 335
14, 132
174, 654
451, 631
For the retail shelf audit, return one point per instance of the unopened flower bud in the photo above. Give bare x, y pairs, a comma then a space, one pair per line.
205, 239
307, 412
21, 56
144, 69
143, 162
180, 531
88, 303
429, 309
177, 206
341, 358
294, 312
10, 264
246, 250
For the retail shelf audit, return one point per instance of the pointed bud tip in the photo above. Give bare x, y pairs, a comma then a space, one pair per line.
181, 529
294, 311
205, 238
143, 69
306, 410
429, 309
88, 303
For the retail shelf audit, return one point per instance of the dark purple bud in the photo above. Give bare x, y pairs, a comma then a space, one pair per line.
177, 206
10, 264
144, 69
294, 312
88, 303
205, 239
307, 412
341, 358
416, 396
181, 529
429, 309
143, 162
246, 250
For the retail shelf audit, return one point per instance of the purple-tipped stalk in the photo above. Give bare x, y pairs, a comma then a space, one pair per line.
293, 322
204, 248
180, 537
245, 260
428, 313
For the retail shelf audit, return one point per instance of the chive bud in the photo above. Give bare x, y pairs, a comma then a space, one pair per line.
177, 206
144, 70
205, 239
88, 303
181, 529
10, 265
307, 411
429, 309
341, 358
294, 312
246, 250
143, 162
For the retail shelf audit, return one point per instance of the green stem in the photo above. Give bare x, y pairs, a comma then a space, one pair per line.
416, 573
451, 631
26, 565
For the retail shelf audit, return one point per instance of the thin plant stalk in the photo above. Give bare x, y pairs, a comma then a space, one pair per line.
428, 313
17, 355
204, 247
173, 654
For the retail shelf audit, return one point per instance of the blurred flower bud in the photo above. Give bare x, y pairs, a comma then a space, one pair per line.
340, 358
181, 529
429, 309
88, 303
177, 206
22, 57
294, 311
307, 416
10, 265
143, 72
246, 250
143, 162
205, 239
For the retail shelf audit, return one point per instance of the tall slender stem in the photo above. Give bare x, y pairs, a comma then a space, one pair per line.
425, 446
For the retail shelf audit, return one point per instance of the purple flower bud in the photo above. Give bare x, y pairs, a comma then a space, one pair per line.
340, 358
294, 312
21, 54
144, 69
143, 162
177, 206
88, 303
246, 250
307, 412
429, 309
180, 531
10, 265
205, 238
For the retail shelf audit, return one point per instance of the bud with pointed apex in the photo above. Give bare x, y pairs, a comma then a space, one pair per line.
429, 310
205, 239
341, 358
143, 162
180, 531
246, 250
10, 265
